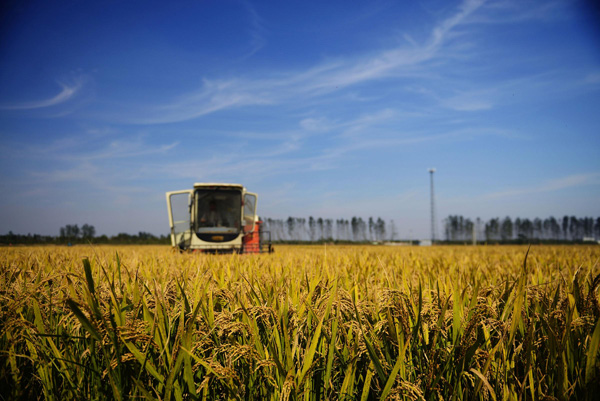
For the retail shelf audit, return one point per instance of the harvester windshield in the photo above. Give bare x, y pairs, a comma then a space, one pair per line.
217, 211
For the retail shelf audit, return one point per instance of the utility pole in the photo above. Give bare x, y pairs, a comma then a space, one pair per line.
431, 171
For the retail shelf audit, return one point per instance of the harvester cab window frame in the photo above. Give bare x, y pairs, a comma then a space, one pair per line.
181, 233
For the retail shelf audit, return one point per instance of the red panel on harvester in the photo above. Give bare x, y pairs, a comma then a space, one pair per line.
251, 240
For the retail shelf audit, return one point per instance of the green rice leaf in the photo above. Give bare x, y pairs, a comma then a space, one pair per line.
85, 322
592, 354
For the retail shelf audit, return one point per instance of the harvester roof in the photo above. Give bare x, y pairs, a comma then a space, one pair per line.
217, 184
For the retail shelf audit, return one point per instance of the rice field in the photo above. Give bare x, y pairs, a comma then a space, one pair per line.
305, 323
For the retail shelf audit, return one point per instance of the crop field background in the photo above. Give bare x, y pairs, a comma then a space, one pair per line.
305, 323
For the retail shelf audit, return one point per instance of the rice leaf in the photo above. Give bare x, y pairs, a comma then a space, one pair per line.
87, 325
592, 354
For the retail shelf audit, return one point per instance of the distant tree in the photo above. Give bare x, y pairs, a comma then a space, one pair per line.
447, 228
339, 229
468, 228
312, 227
380, 229
454, 229
276, 228
492, 229
574, 228
506, 229
328, 229
362, 228
69, 232
290, 226
527, 228
588, 227
346, 234
355, 228
347, 229
517, 228
565, 227
537, 228
144, 236
301, 225
268, 225
393, 232
546, 228
320, 227
280, 228
88, 231
554, 228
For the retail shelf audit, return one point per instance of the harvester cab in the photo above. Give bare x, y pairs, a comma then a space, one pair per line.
216, 218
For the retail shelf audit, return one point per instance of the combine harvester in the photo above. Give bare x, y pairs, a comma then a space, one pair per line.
216, 218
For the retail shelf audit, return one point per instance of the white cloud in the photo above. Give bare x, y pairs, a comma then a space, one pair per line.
69, 90
511, 12
593, 78
257, 31
315, 124
412, 60
86, 148
127, 149
327, 77
571, 181
459, 103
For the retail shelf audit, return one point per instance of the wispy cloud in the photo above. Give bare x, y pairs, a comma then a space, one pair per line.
322, 79
571, 181
471, 101
593, 78
509, 12
125, 149
103, 167
391, 61
460, 100
316, 124
474, 95
214, 96
87, 148
68, 91
257, 31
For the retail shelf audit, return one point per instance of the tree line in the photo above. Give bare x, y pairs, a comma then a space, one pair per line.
73, 234
567, 228
299, 229
319, 229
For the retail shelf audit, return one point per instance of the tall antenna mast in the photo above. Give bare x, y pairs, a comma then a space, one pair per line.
431, 171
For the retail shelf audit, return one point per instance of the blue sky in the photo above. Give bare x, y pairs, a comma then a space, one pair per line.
329, 109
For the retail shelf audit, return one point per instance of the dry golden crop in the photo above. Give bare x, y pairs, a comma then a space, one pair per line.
308, 322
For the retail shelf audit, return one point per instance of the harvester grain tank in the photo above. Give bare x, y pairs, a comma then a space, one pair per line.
216, 218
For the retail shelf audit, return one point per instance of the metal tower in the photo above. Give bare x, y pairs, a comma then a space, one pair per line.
431, 171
